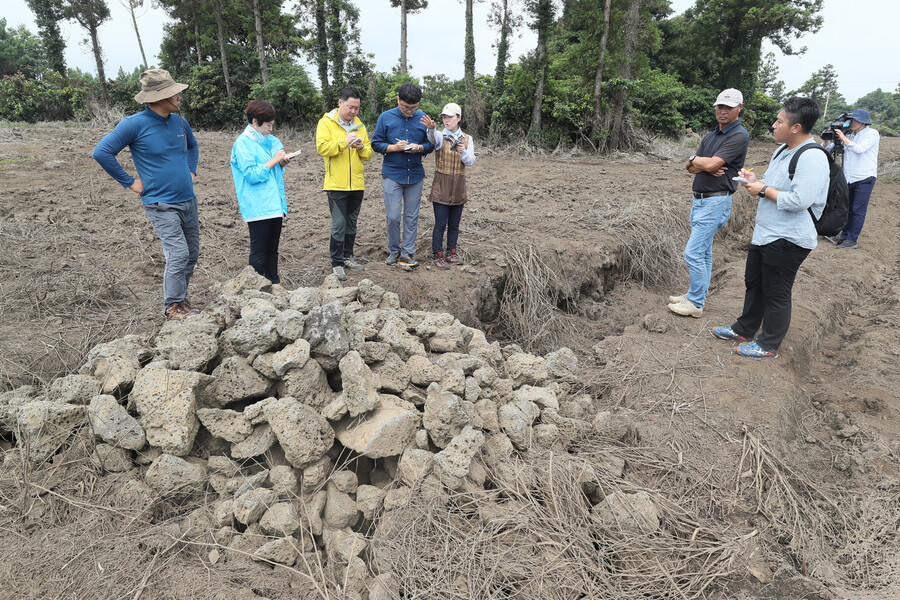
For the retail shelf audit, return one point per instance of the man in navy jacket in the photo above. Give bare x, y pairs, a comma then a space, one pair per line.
165, 154
401, 137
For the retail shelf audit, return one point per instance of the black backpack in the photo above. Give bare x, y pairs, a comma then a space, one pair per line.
837, 204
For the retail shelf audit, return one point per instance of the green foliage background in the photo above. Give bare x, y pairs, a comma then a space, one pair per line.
667, 90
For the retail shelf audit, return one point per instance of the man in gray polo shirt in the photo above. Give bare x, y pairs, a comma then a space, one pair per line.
719, 158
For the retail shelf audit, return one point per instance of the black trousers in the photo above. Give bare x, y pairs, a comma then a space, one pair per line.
264, 238
769, 277
344, 207
445, 218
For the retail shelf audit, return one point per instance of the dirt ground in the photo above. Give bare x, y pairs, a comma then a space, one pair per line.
81, 265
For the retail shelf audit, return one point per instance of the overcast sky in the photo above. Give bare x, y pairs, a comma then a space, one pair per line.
855, 38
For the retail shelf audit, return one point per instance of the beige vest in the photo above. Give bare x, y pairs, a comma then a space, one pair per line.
447, 160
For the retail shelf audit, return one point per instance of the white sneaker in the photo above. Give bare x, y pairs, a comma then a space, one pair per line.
339, 273
686, 309
677, 299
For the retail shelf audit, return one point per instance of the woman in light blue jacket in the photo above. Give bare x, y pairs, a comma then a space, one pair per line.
257, 165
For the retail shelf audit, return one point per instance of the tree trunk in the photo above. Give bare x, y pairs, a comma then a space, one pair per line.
98, 56
499, 84
620, 126
220, 32
337, 47
403, 68
372, 81
474, 105
598, 75
544, 7
137, 33
502, 52
322, 52
260, 46
197, 33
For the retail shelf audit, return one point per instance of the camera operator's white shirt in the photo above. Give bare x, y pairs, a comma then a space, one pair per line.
861, 156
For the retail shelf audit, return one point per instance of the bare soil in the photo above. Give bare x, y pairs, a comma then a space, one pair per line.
799, 456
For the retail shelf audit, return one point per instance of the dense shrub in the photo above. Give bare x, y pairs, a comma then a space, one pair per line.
204, 103
51, 98
656, 100
292, 94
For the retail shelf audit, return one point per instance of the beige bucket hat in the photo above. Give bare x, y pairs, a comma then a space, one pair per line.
156, 85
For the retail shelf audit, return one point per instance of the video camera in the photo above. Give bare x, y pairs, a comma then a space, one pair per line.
842, 123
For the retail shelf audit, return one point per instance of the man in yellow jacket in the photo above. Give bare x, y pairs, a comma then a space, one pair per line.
342, 141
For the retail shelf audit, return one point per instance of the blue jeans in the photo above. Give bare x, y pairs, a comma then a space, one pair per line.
708, 215
402, 198
445, 217
860, 191
178, 227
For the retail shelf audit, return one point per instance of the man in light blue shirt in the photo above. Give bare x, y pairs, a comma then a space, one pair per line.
860, 169
784, 233
400, 136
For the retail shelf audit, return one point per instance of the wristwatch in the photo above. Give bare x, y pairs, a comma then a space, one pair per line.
762, 192
691, 159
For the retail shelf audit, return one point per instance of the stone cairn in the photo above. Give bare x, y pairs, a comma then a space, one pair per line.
268, 395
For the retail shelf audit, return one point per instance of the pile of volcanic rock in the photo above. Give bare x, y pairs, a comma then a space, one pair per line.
308, 413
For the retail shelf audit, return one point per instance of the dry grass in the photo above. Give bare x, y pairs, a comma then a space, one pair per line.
533, 296
652, 235
534, 537
66, 533
79, 304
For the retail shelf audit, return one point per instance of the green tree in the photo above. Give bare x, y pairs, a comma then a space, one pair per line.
47, 15
822, 86
90, 14
503, 17
719, 42
767, 79
330, 33
20, 52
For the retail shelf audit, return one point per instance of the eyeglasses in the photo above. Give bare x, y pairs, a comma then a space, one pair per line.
408, 108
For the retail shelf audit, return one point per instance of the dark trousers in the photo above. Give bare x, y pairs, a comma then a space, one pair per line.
264, 238
769, 277
445, 217
344, 207
860, 191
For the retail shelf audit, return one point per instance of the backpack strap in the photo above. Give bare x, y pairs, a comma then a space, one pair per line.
792, 166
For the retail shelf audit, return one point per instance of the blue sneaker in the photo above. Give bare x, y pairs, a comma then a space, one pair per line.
727, 333
392, 258
754, 350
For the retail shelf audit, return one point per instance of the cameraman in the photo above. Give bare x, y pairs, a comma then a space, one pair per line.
861, 169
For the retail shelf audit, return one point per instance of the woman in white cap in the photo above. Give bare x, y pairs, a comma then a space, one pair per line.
453, 152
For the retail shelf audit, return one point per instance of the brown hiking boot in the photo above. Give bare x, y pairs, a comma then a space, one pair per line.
180, 311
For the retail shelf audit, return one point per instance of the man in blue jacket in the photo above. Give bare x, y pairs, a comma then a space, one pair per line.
165, 154
401, 138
